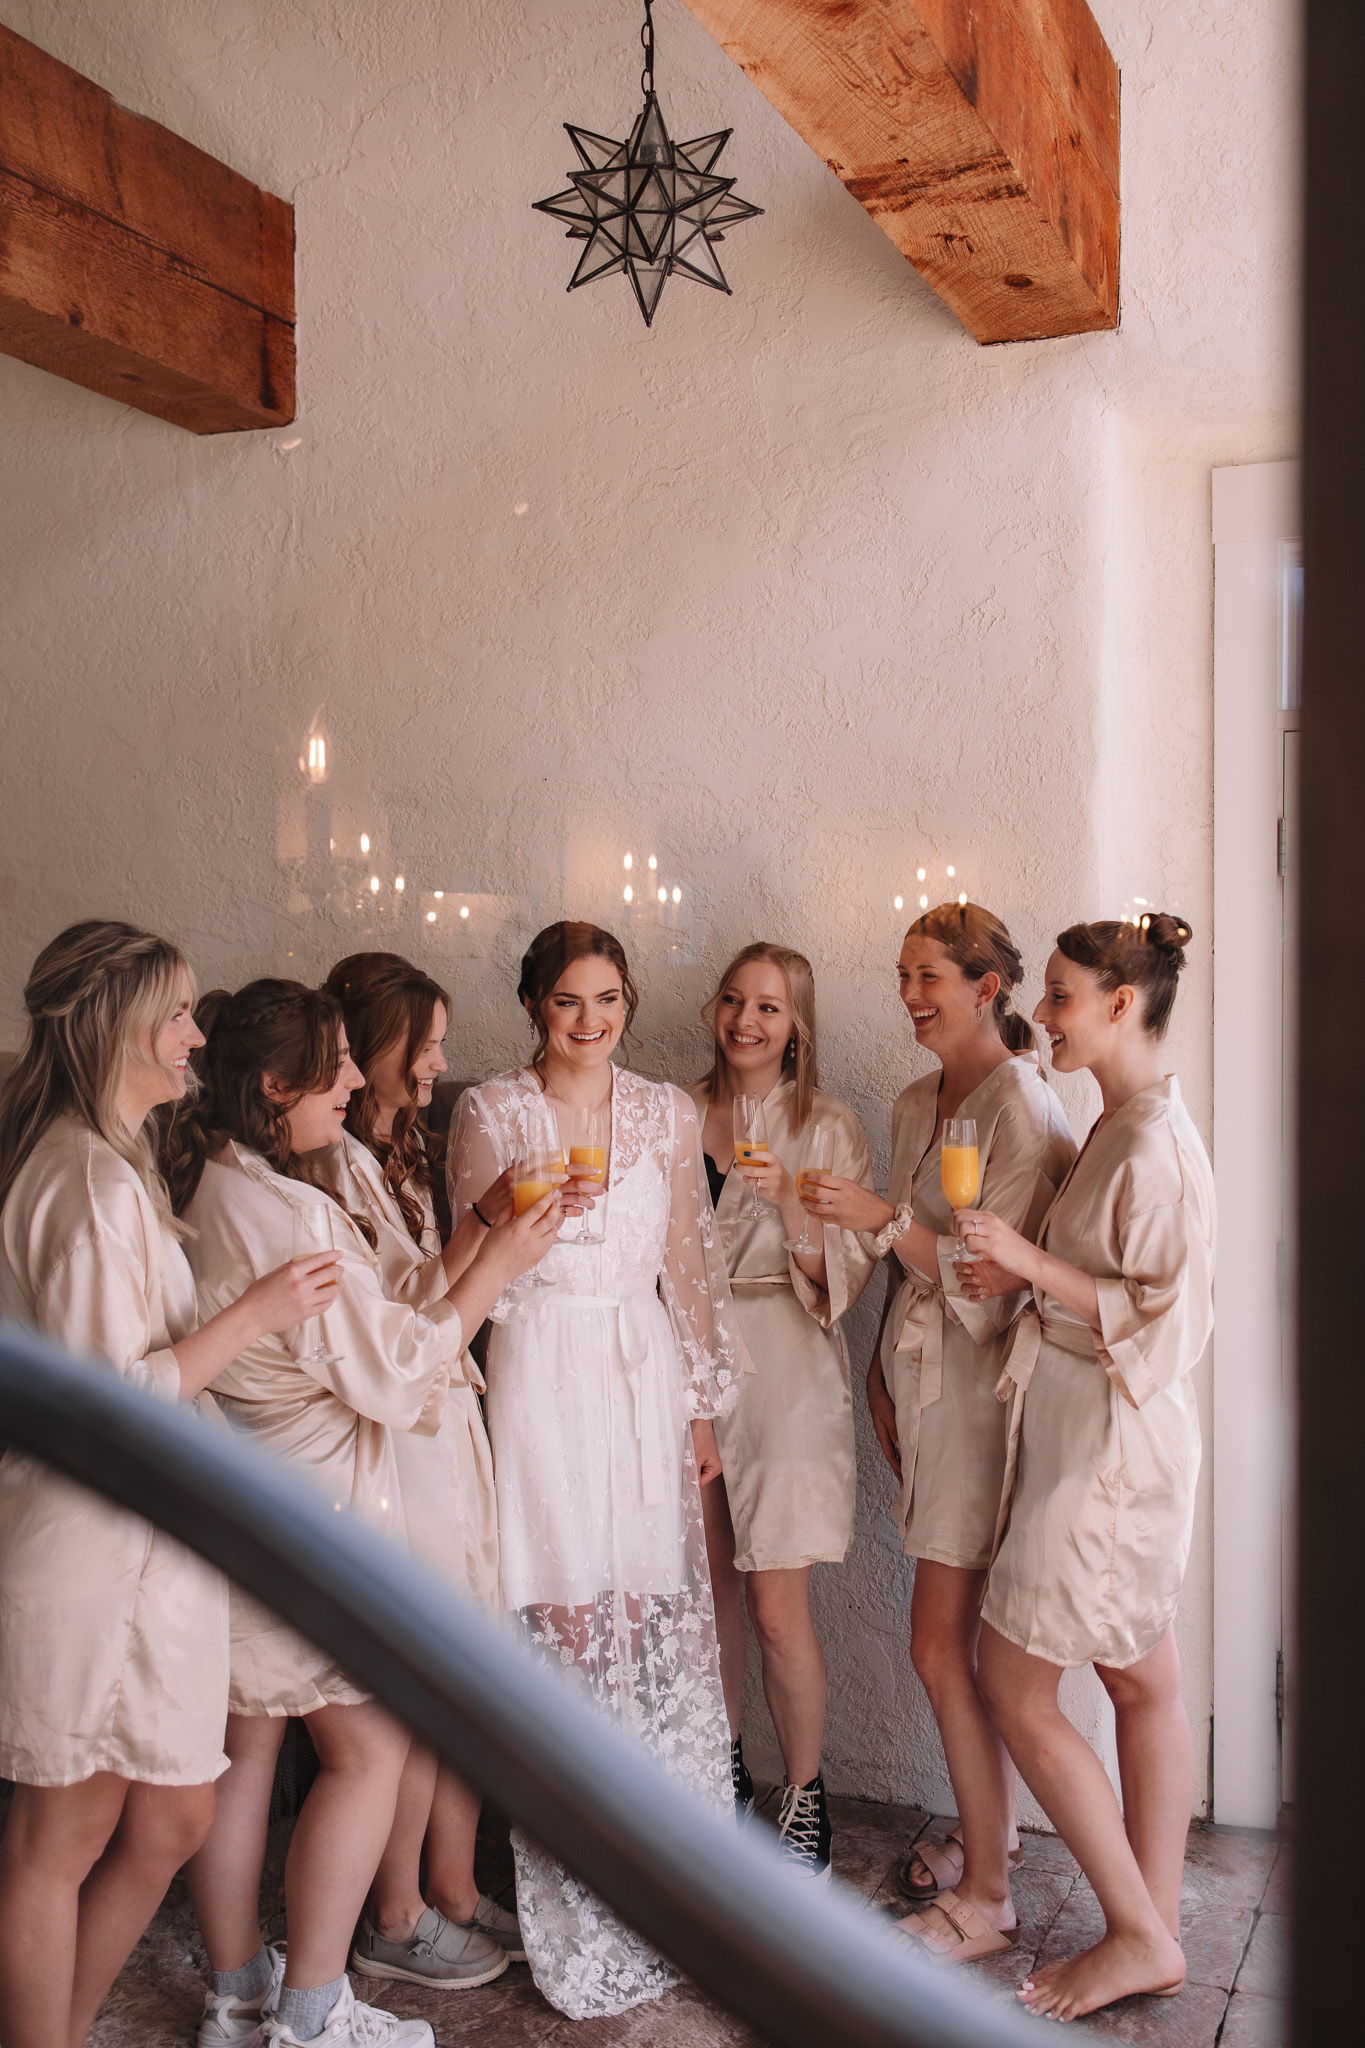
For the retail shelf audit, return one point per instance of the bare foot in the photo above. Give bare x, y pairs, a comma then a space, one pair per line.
1120, 1966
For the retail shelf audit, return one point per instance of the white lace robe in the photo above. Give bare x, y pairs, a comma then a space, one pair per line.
594, 1376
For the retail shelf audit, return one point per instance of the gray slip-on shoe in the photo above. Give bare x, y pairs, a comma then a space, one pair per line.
505, 1928
438, 1953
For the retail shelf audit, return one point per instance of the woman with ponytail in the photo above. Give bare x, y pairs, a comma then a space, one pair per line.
113, 1639
252, 1166
786, 1500
1104, 1454
444, 1931
931, 1387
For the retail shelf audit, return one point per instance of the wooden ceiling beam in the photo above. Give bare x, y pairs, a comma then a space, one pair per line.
981, 135
135, 264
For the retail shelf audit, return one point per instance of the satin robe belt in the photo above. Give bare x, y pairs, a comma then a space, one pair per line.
632, 1322
917, 1337
1021, 1356
760, 1280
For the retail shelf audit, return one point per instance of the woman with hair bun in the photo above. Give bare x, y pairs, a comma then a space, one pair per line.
251, 1166
396, 1018
931, 1387
1098, 1506
787, 1497
113, 1638
604, 1381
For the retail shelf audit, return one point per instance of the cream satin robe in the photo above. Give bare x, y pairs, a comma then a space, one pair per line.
787, 1448
941, 1353
113, 1637
1104, 1431
449, 1504
332, 1422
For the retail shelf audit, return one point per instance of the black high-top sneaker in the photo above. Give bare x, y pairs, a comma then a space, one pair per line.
804, 1829
741, 1783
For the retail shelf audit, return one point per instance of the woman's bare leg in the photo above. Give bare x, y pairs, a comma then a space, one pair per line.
396, 1902
794, 1682
727, 1586
225, 1877
451, 1837
54, 1838
339, 1836
1137, 1952
945, 1625
159, 1828
1156, 1770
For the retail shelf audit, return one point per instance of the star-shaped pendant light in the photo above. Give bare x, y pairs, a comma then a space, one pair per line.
648, 206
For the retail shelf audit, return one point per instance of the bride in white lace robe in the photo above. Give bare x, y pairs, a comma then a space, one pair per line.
599, 1363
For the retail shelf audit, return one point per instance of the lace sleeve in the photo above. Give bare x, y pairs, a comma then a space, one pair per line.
694, 1284
478, 1151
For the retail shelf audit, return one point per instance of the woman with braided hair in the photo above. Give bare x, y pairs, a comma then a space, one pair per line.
1098, 1505
113, 1638
251, 1166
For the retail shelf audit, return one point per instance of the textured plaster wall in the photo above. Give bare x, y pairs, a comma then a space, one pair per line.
799, 591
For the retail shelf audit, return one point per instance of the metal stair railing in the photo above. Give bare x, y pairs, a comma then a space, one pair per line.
805, 1966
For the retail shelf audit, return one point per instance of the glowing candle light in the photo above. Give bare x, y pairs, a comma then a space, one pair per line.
399, 884
654, 860
629, 861
919, 874
439, 894
677, 895
431, 917
924, 902
628, 893
962, 897
898, 903
364, 842
952, 871
464, 910
663, 895
374, 885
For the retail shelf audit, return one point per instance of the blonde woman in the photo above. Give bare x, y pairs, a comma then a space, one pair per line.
113, 1639
786, 1500
444, 1931
1104, 1436
932, 1385
277, 1079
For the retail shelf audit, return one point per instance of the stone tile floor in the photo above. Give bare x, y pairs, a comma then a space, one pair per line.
1236, 1906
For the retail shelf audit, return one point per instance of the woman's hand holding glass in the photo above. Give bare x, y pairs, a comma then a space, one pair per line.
998, 1261
294, 1293
520, 1241
847, 1204
496, 1201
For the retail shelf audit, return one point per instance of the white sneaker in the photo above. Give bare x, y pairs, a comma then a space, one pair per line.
353, 2025
231, 2022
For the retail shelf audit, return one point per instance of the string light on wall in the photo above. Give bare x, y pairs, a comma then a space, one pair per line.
648, 206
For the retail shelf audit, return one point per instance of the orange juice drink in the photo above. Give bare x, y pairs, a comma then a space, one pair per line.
588, 1162
751, 1151
960, 1174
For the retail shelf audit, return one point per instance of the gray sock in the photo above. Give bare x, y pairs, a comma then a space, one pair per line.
250, 1981
306, 2011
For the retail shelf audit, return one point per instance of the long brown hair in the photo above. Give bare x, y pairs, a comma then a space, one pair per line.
980, 945
1146, 956
270, 1027
94, 996
545, 960
799, 1062
386, 1002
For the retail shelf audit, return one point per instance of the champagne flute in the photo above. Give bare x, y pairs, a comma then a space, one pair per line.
588, 1133
311, 1223
536, 1171
959, 1169
751, 1143
817, 1156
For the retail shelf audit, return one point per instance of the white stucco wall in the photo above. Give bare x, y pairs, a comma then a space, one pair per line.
800, 590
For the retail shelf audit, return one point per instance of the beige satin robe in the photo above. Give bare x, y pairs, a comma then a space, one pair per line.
449, 1504
333, 1423
787, 1447
113, 1637
1098, 1505
941, 1353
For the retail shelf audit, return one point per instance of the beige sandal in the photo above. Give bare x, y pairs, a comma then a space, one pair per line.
975, 1935
943, 1861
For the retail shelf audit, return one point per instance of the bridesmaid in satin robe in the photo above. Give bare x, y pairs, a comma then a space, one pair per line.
113, 1638
785, 1500
1098, 1507
931, 1387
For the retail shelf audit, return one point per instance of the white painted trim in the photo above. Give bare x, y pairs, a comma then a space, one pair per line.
1255, 510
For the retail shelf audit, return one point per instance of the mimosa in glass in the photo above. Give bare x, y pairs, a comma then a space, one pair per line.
817, 1156
751, 1142
960, 1171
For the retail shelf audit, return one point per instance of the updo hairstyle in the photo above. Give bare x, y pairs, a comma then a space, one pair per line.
95, 996
542, 965
980, 945
799, 1053
1147, 956
387, 1001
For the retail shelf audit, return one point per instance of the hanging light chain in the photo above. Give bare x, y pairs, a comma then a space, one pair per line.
647, 39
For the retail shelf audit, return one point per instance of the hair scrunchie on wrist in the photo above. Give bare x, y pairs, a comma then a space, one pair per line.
897, 1227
